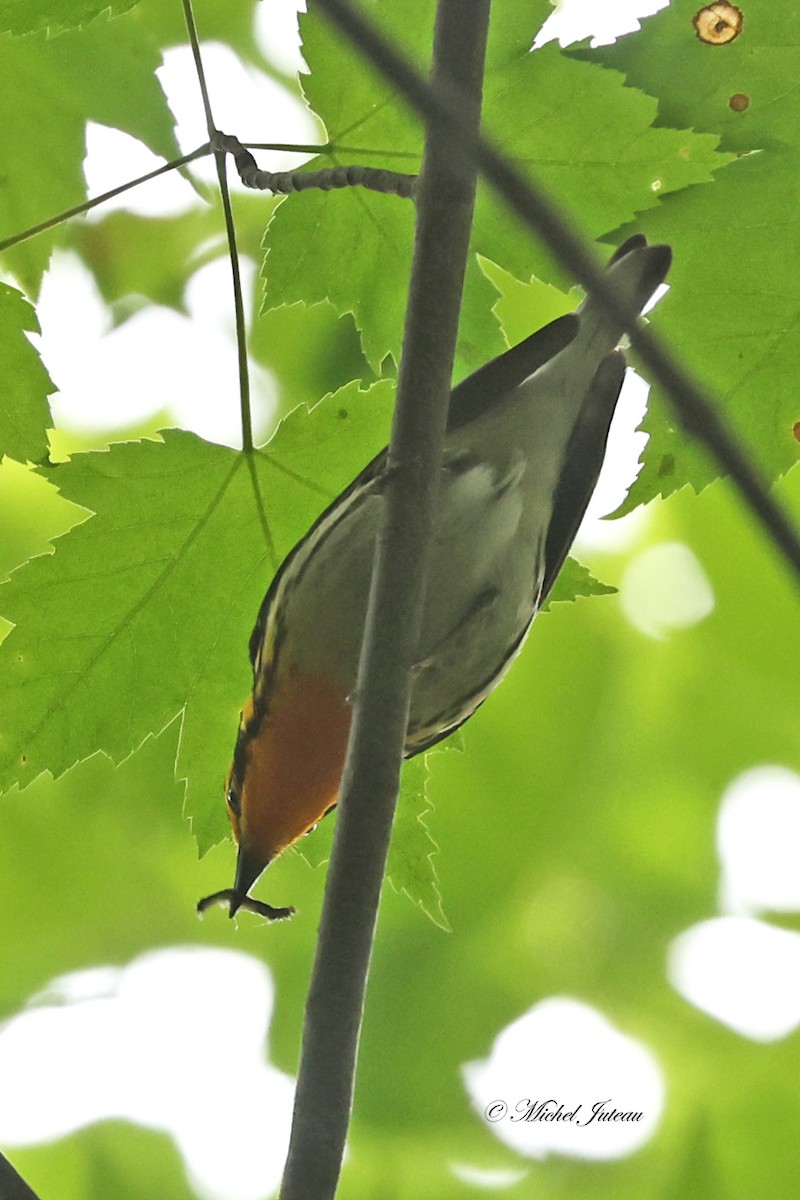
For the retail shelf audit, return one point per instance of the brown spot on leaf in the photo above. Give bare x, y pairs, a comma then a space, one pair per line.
739, 102
796, 431
343, 414
667, 465
718, 24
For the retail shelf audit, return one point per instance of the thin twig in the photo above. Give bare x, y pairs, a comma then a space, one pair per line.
238, 304
284, 182
88, 205
371, 777
194, 42
230, 229
290, 147
694, 408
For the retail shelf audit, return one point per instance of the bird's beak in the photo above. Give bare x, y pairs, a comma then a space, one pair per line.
248, 869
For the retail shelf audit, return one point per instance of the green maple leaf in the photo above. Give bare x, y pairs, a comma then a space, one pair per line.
145, 608
48, 91
590, 140
56, 16
410, 867
733, 312
24, 383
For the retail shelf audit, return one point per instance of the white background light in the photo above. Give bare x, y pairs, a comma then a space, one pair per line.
665, 589
758, 837
566, 1051
156, 361
175, 1041
743, 972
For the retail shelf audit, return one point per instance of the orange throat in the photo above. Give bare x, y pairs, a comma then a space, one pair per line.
295, 761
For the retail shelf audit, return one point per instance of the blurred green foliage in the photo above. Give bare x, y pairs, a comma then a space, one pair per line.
577, 828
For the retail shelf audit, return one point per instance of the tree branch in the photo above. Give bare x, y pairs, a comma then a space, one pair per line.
376, 179
695, 409
371, 778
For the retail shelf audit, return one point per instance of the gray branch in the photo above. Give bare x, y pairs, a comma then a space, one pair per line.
371, 778
282, 182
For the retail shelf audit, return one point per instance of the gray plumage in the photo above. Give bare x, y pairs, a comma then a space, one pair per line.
525, 442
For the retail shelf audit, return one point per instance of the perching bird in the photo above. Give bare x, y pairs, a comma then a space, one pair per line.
526, 436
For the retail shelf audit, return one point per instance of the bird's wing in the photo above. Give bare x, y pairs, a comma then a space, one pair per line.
491, 382
582, 462
468, 400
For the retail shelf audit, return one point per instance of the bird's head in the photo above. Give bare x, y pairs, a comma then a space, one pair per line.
284, 778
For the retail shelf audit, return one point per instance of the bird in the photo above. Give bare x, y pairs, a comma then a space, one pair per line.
525, 440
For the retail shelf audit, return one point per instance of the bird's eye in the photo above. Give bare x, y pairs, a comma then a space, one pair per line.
232, 797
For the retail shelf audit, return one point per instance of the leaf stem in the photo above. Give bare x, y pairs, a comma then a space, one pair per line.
194, 42
238, 304
290, 147
331, 148
88, 205
230, 229
371, 777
